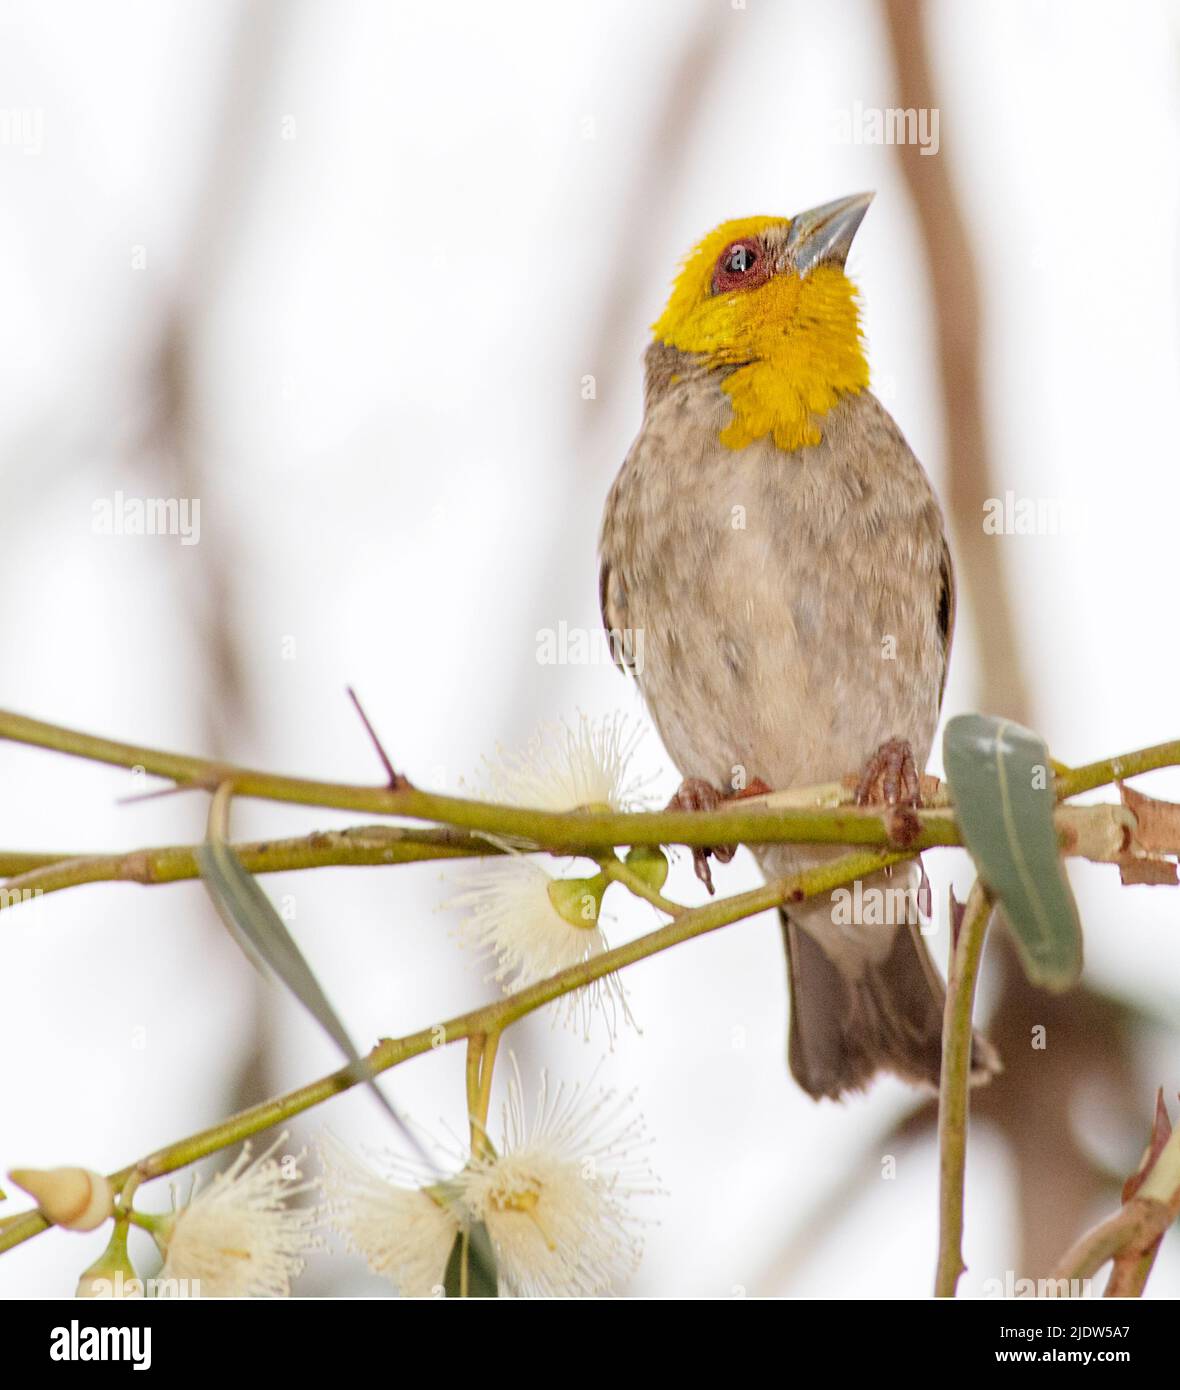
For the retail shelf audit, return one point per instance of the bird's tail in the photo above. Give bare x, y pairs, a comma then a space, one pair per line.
848, 1024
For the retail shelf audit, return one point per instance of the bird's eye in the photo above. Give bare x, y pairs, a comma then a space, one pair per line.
740, 266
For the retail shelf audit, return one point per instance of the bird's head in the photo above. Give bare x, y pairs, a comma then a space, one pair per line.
765, 301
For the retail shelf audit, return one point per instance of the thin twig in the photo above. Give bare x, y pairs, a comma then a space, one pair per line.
957, 1037
359, 846
616, 869
1099, 833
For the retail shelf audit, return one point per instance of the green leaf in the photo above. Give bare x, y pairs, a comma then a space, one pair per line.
472, 1252
262, 934
1001, 781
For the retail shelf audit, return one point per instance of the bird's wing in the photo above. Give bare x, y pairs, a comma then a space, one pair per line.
946, 611
612, 602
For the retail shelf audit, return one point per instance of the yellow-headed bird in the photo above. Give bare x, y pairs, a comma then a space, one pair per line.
781, 550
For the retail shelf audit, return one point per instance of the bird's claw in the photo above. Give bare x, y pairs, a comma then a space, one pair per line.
695, 794
890, 777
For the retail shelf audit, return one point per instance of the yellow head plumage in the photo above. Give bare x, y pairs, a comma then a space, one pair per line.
766, 301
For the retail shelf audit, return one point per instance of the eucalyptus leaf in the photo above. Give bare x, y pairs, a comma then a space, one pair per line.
252, 921
472, 1251
1001, 781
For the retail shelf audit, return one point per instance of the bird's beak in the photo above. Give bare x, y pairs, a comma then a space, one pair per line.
823, 235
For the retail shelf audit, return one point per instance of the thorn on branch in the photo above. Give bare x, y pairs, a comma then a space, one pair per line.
397, 782
1161, 1132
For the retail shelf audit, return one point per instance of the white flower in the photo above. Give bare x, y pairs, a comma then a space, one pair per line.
509, 913
239, 1238
509, 903
397, 1228
563, 768
557, 1201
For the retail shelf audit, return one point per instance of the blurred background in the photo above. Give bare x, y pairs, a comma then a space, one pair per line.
372, 282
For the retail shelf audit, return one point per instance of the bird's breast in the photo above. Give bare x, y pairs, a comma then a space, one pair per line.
787, 601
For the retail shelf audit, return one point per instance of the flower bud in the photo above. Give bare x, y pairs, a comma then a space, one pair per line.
74, 1198
578, 901
112, 1275
650, 863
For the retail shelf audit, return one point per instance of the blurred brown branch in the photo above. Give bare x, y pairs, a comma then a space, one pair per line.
970, 477
1032, 1105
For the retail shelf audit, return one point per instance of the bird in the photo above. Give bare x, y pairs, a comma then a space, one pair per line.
776, 554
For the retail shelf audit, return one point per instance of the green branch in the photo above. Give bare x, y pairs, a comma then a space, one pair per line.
568, 832
801, 816
954, 1086
1074, 780
746, 821
19, 861
1099, 833
357, 846
488, 1021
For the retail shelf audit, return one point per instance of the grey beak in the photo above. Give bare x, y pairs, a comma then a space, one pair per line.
823, 235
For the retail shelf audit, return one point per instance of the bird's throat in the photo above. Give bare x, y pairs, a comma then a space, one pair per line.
796, 377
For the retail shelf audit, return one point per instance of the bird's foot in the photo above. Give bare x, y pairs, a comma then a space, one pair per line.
890, 777
695, 794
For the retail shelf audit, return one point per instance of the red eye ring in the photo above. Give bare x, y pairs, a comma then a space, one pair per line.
741, 266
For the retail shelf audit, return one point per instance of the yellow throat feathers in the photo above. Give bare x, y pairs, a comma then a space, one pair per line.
793, 346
